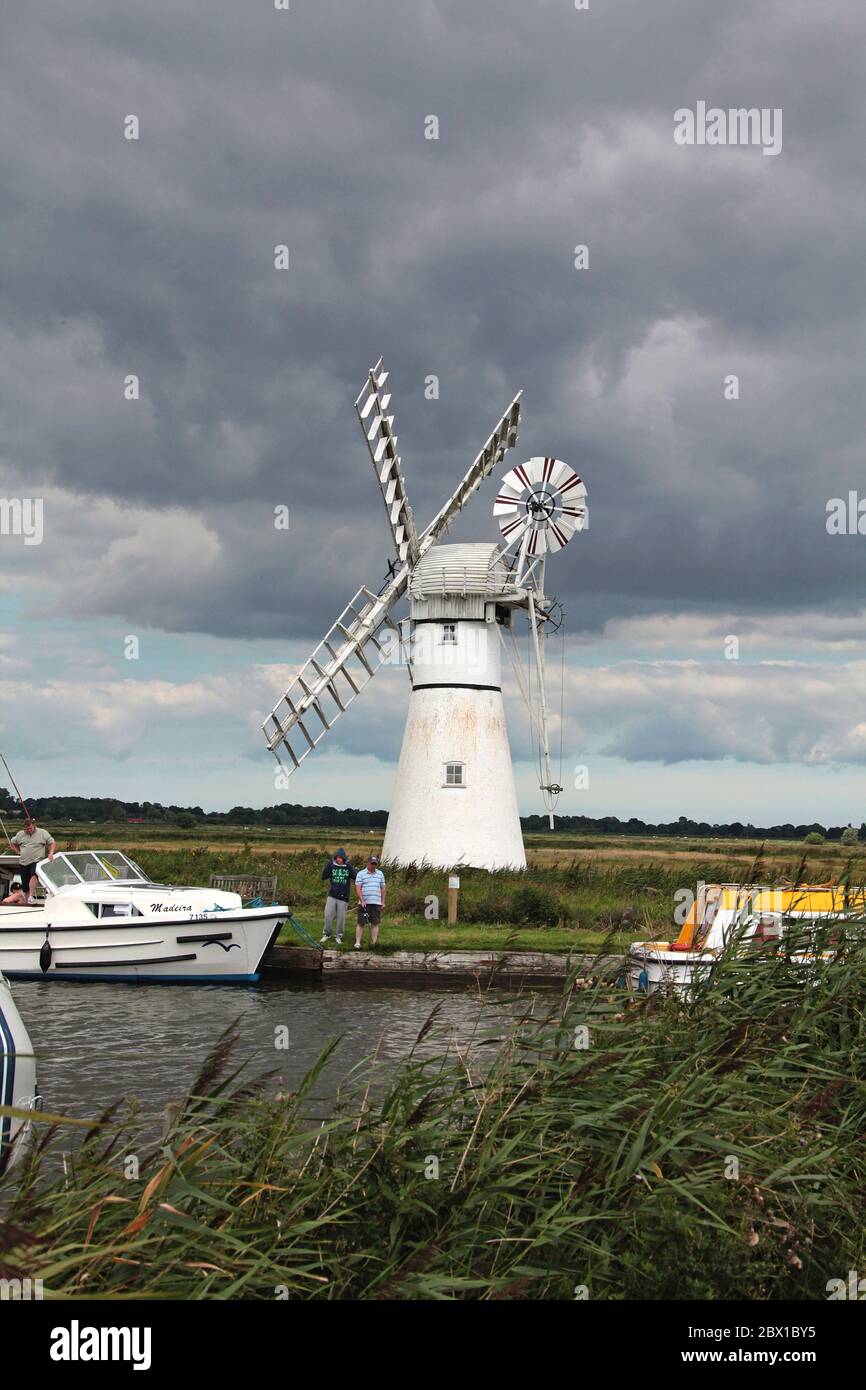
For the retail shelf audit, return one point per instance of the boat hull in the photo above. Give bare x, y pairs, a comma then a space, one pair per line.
669, 972
228, 948
18, 1085
666, 972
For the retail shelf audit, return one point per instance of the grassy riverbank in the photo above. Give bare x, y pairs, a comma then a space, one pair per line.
549, 907
578, 893
708, 1151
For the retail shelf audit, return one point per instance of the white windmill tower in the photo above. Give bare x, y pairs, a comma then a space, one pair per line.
454, 800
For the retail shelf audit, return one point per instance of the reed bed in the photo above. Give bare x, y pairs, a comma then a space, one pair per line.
607, 1146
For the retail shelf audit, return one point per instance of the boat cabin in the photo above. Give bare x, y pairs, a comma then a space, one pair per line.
85, 875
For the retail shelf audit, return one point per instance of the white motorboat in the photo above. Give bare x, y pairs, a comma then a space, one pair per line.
17, 1079
750, 921
102, 918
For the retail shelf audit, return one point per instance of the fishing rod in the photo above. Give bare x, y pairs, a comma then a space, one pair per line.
6, 833
15, 785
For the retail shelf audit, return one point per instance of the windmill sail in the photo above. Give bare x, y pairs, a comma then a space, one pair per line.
343, 663
378, 426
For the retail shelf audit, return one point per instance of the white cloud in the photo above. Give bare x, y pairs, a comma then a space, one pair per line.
769, 712
805, 632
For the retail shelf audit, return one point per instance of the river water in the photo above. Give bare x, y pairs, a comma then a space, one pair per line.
97, 1043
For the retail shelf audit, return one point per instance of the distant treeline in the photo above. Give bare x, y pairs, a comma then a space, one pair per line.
697, 829
100, 808
97, 808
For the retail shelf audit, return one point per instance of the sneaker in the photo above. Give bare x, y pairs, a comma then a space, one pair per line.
357, 945
322, 940
339, 941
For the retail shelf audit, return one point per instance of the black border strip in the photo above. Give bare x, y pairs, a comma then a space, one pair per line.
455, 685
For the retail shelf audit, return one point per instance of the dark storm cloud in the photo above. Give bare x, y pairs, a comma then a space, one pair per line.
453, 257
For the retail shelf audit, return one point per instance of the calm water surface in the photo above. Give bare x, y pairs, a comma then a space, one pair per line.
97, 1043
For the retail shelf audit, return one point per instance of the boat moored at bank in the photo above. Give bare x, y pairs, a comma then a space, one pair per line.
18, 1086
749, 921
102, 917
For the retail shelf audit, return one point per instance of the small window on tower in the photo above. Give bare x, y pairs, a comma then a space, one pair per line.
449, 632
454, 775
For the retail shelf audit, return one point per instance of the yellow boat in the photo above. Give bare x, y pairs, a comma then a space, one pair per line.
751, 917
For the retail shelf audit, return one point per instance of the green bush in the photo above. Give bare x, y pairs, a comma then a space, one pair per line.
486, 907
534, 907
406, 900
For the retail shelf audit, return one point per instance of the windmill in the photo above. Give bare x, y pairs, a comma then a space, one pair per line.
454, 800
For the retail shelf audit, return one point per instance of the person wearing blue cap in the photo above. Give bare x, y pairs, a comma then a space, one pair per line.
338, 873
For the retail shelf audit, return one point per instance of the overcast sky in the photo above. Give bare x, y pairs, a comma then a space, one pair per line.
453, 257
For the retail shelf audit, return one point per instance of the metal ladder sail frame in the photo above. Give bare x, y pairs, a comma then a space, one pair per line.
342, 665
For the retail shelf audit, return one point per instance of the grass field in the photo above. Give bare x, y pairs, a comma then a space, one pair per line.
579, 892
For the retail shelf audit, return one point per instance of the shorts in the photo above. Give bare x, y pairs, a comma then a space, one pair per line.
26, 871
374, 914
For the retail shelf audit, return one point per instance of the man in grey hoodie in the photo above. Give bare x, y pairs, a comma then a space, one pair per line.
339, 873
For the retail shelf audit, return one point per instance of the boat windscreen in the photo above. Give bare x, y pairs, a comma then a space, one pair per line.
138, 872
57, 873
118, 866
90, 866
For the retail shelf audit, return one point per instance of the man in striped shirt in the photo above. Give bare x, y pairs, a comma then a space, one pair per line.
370, 887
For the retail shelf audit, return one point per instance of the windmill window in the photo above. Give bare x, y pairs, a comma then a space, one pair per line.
449, 632
455, 775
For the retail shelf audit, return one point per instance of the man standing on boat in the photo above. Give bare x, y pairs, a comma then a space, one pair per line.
370, 887
32, 845
339, 873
